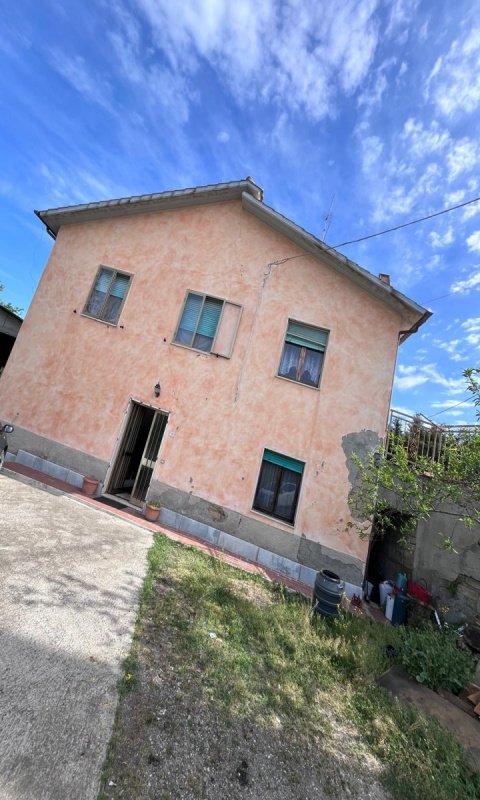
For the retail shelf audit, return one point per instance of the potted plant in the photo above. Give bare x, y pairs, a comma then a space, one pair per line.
90, 486
152, 511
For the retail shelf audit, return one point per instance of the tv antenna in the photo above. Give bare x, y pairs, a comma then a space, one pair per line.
327, 219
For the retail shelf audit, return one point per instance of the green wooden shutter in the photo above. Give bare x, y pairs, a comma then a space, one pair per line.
209, 317
103, 280
191, 312
304, 336
120, 286
283, 461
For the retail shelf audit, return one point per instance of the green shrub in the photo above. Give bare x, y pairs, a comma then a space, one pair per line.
433, 658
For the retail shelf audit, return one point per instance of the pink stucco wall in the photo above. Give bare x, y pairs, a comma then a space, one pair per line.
71, 377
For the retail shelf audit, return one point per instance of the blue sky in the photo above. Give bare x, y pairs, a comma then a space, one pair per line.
367, 108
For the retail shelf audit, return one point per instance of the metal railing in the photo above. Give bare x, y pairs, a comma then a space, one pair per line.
423, 438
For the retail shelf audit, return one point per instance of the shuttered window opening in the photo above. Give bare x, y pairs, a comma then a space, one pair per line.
278, 486
303, 353
107, 295
208, 324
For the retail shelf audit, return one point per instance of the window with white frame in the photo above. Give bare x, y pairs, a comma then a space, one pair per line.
208, 324
278, 486
303, 353
107, 295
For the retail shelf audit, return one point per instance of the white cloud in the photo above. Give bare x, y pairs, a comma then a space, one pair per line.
299, 55
401, 14
423, 141
223, 137
411, 376
462, 157
472, 324
442, 240
473, 282
473, 242
75, 70
454, 82
410, 381
450, 346
454, 198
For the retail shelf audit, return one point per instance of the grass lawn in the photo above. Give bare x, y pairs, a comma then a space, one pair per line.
233, 689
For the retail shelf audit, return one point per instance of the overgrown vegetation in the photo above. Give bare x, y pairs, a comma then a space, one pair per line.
255, 652
433, 658
417, 481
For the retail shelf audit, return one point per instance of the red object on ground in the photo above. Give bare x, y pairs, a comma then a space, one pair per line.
415, 590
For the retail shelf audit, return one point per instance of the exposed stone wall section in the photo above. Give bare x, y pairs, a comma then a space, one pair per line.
453, 578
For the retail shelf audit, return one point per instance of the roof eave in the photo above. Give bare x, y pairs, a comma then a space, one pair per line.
53, 218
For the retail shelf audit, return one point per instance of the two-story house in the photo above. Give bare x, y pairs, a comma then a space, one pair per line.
199, 348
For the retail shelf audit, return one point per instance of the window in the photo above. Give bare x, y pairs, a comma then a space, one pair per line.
303, 353
278, 486
208, 324
107, 295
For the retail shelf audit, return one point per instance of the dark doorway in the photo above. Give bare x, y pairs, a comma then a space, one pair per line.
137, 454
391, 549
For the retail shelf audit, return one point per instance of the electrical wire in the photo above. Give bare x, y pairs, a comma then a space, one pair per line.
406, 224
461, 403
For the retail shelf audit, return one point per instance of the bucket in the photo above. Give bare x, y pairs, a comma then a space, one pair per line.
327, 593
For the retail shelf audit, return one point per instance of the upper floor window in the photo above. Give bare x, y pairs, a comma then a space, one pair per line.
208, 324
303, 353
108, 294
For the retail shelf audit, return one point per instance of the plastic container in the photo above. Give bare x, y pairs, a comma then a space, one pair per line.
399, 616
327, 593
385, 589
390, 606
401, 582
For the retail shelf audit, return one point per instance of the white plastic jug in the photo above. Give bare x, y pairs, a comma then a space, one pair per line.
389, 607
386, 588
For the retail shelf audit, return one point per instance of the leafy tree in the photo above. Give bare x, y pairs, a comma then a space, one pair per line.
417, 478
9, 306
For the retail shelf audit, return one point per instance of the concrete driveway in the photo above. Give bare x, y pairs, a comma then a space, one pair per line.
70, 577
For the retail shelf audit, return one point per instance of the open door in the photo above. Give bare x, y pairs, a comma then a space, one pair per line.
138, 453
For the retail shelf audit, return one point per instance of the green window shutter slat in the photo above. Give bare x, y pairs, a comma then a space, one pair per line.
191, 312
209, 318
103, 280
283, 461
304, 336
120, 286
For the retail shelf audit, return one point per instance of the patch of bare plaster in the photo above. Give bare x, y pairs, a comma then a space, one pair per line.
360, 444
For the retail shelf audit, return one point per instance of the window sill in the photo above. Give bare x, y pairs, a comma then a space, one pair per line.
276, 520
195, 350
102, 321
298, 383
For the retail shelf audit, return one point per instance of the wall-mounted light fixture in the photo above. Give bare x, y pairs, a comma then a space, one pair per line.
157, 389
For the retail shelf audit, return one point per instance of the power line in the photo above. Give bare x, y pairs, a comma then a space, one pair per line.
468, 400
406, 224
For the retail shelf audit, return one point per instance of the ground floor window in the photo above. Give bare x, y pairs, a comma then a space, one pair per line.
278, 486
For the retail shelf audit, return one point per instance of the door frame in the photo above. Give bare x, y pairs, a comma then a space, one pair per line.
121, 434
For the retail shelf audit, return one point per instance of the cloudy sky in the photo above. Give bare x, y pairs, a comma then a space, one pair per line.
354, 116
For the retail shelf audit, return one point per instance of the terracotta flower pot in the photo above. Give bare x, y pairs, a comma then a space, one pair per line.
152, 513
90, 486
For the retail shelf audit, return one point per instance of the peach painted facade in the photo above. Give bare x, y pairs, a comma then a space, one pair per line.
70, 378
